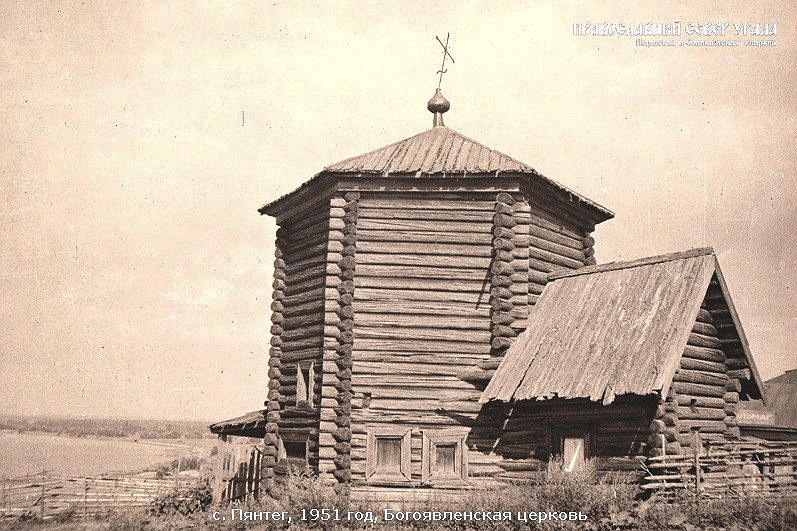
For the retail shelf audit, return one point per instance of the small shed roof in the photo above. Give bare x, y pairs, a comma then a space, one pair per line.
608, 330
782, 393
251, 424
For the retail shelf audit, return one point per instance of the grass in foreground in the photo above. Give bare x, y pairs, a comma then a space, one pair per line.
609, 505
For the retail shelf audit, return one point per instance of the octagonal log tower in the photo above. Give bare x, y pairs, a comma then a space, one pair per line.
401, 277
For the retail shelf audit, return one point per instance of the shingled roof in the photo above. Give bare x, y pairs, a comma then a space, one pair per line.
782, 392
252, 424
608, 330
440, 152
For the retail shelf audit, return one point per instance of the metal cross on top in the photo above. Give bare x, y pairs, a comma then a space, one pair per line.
445, 54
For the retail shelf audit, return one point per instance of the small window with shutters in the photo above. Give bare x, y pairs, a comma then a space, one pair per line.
444, 456
388, 454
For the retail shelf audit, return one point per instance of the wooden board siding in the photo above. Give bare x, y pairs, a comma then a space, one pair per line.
300, 292
604, 332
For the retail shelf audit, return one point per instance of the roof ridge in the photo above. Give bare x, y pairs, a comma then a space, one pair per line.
627, 264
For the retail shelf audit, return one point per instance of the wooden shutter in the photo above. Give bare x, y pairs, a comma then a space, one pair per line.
388, 454
444, 456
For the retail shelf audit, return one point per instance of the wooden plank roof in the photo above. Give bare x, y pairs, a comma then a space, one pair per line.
608, 330
782, 393
251, 424
440, 152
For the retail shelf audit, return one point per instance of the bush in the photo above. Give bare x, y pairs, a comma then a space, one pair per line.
692, 514
304, 490
183, 501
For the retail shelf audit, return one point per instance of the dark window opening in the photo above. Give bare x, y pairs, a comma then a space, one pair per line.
296, 453
296, 450
305, 381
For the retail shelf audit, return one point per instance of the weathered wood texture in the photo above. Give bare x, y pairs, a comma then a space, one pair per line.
727, 469
443, 285
729, 341
704, 396
335, 419
554, 244
300, 293
519, 439
422, 313
509, 256
48, 497
274, 398
598, 335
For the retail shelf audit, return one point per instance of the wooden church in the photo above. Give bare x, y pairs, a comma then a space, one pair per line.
439, 321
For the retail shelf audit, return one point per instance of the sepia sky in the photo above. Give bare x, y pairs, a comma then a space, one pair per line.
137, 142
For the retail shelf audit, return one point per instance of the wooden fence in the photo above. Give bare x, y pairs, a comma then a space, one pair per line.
45, 496
739, 469
237, 470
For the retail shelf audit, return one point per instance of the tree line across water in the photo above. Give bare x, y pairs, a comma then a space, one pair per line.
108, 427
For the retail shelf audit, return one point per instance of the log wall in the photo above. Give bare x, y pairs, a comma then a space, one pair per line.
300, 273
738, 368
443, 284
403, 305
704, 394
422, 307
553, 245
617, 434
335, 425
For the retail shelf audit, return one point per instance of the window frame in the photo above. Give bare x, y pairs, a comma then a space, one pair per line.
445, 437
305, 385
404, 434
557, 438
282, 453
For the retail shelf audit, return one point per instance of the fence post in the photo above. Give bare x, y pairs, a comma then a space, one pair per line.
696, 445
41, 498
85, 496
3, 494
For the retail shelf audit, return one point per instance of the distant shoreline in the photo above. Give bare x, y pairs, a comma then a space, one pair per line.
127, 438
141, 430
33, 452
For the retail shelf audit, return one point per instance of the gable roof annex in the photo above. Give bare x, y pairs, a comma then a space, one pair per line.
611, 329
